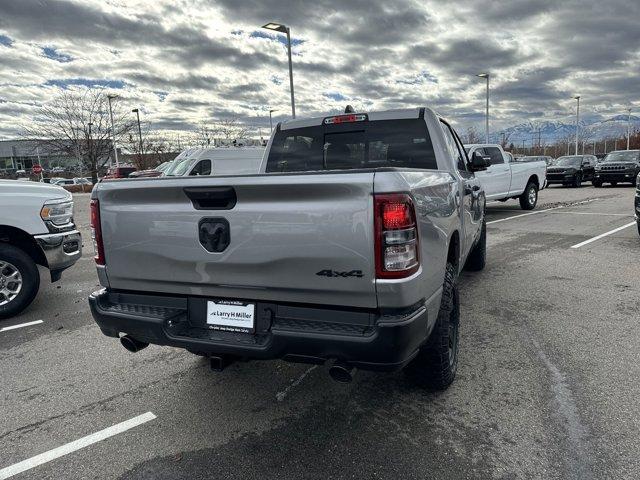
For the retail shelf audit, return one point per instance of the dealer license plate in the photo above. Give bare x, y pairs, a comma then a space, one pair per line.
231, 316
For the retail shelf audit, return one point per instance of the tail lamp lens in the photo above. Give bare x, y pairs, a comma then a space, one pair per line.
96, 232
396, 236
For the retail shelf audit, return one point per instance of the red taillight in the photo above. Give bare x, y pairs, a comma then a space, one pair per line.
96, 233
396, 236
396, 215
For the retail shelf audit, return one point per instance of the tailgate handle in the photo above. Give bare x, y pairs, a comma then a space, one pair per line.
212, 198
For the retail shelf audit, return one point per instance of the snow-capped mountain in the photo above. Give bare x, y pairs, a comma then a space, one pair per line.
551, 132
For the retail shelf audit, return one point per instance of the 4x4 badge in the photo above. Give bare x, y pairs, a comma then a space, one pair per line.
335, 274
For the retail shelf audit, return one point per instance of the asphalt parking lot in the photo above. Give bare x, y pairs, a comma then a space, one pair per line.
547, 387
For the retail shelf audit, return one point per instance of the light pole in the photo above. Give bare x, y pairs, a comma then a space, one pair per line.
113, 131
271, 121
577, 97
89, 152
278, 27
628, 128
137, 112
486, 120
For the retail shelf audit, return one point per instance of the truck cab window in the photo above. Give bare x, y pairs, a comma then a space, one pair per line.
403, 143
495, 155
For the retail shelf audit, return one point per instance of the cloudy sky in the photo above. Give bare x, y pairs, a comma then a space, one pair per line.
185, 62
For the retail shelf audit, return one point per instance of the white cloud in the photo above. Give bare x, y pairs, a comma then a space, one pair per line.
184, 62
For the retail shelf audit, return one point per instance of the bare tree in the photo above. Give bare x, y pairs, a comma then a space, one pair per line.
504, 139
472, 135
226, 130
232, 129
76, 123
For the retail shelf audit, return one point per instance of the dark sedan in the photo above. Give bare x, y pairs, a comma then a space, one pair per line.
572, 170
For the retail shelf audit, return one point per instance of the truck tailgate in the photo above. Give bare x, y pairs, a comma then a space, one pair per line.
292, 238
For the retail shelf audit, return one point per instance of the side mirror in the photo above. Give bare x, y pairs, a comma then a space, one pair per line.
479, 162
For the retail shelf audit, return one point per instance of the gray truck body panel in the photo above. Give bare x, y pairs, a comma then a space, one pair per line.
285, 228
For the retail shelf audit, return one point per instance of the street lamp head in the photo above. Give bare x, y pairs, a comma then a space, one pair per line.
482, 75
271, 111
276, 27
111, 96
577, 97
135, 110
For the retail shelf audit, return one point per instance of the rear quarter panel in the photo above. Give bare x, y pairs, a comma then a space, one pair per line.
435, 195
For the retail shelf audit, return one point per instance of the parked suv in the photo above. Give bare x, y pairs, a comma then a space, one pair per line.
572, 170
345, 249
36, 228
621, 166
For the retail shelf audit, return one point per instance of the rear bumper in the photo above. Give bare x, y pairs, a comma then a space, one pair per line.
363, 339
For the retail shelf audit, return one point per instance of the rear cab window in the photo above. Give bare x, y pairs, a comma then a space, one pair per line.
403, 143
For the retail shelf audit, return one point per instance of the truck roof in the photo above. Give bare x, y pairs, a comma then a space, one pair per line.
220, 153
395, 114
477, 145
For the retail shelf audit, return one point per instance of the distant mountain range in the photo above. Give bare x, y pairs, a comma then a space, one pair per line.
551, 132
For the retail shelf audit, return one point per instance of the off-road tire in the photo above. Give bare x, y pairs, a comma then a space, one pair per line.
434, 367
577, 181
527, 201
30, 279
478, 256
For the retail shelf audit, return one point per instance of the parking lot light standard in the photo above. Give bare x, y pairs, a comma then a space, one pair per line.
278, 27
113, 132
486, 120
628, 127
271, 121
137, 112
577, 97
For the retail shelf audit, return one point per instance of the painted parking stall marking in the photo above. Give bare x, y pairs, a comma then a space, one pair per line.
606, 234
522, 215
75, 445
20, 325
542, 211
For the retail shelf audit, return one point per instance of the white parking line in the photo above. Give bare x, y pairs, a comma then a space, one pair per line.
593, 213
582, 202
20, 325
606, 234
75, 445
523, 215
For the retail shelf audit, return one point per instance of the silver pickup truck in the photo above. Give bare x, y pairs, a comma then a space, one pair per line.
345, 249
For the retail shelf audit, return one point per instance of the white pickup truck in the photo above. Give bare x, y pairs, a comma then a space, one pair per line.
36, 228
505, 179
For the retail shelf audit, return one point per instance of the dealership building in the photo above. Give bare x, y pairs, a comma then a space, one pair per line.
24, 154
